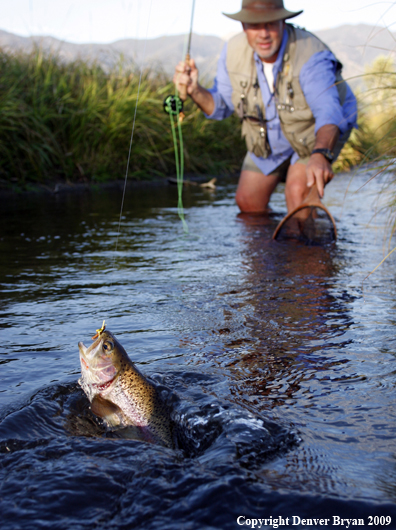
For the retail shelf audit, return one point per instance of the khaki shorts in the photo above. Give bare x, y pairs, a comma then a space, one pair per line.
281, 171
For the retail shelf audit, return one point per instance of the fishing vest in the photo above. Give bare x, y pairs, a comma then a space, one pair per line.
296, 118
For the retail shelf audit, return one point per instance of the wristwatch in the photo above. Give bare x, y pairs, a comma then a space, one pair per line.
329, 155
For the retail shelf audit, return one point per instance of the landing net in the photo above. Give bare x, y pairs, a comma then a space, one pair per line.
310, 225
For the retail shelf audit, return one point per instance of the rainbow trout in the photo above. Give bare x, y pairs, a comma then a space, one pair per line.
119, 393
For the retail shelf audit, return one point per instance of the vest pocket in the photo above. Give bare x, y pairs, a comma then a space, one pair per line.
255, 135
303, 142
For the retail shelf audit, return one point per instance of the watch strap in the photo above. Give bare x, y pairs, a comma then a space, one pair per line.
327, 153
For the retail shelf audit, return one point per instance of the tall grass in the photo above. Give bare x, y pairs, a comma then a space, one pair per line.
73, 121
377, 102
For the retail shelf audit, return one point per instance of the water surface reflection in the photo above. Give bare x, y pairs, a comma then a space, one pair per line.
282, 371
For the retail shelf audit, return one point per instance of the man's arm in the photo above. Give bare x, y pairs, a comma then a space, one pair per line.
319, 169
318, 82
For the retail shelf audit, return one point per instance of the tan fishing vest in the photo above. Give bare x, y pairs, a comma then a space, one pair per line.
296, 118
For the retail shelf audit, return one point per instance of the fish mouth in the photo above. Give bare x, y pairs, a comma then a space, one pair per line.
84, 363
85, 352
98, 375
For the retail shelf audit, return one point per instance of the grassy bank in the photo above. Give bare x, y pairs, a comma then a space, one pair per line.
377, 103
377, 99
73, 121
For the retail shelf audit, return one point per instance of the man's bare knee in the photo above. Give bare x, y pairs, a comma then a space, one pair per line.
295, 188
249, 204
254, 191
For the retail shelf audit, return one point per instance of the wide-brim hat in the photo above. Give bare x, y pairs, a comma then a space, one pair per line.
256, 11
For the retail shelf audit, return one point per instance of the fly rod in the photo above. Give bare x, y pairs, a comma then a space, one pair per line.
174, 104
183, 88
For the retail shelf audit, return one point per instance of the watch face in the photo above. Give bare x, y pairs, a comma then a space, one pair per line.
328, 154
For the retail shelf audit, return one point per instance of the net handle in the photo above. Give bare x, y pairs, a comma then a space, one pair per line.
312, 200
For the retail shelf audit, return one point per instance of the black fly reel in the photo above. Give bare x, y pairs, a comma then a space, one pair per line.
173, 105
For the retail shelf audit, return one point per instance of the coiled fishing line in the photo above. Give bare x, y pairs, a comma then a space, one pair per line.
173, 105
179, 159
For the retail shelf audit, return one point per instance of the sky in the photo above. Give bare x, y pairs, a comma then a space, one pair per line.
104, 21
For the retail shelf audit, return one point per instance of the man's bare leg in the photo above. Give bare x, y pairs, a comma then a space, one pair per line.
296, 188
254, 191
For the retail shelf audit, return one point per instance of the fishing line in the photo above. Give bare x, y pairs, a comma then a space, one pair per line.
173, 105
179, 163
133, 129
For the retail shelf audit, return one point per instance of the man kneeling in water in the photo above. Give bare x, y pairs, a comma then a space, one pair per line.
286, 86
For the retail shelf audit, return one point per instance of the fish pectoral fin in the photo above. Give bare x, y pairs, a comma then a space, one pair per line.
107, 410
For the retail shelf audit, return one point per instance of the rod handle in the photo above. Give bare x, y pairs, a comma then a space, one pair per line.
183, 88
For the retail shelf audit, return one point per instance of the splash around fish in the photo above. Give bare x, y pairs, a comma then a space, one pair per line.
119, 393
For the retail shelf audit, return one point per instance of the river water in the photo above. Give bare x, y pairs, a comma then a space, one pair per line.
280, 362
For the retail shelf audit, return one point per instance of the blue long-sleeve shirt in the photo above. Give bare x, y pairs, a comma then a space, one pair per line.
317, 80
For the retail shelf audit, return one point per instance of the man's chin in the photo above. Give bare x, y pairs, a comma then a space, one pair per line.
265, 54
267, 57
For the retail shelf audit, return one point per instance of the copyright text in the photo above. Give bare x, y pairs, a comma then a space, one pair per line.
295, 520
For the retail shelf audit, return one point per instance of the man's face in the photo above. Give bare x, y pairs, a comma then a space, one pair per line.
265, 38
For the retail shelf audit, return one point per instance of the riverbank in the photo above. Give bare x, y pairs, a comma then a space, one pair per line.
58, 187
72, 122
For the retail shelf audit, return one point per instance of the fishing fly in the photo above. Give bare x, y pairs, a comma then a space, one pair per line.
99, 331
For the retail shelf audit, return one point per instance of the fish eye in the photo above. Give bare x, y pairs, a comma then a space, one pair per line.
108, 345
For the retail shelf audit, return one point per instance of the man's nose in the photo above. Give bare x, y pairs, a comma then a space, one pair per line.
264, 31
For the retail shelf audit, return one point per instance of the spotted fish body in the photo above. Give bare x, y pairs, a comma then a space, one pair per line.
120, 394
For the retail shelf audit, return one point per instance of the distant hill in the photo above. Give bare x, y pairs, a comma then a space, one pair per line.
357, 46
354, 45
160, 53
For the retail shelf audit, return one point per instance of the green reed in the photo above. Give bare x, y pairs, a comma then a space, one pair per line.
73, 121
377, 103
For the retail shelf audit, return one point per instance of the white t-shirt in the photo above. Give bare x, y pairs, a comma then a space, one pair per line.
269, 74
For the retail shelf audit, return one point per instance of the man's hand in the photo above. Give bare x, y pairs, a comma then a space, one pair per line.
186, 76
319, 170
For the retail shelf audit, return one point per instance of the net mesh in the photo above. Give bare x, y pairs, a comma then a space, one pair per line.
310, 225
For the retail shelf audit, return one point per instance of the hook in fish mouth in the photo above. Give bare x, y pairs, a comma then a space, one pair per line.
98, 368
99, 331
